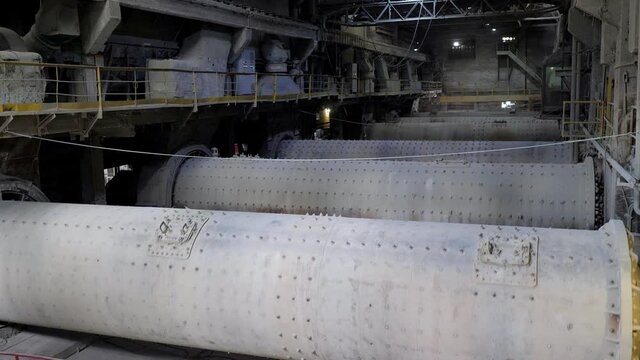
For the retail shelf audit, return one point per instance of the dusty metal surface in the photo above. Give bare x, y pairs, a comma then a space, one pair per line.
454, 113
546, 195
471, 129
291, 286
339, 149
155, 187
415, 119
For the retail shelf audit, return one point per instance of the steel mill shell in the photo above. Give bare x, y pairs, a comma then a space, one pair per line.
319, 287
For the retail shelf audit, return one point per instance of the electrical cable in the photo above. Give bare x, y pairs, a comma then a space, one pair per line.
415, 31
405, 157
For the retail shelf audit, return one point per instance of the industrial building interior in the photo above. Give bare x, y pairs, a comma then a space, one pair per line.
319, 179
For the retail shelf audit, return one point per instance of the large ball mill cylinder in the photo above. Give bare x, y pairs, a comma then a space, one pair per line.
472, 151
470, 129
546, 195
309, 287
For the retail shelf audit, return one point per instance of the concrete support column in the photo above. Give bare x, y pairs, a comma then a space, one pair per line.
574, 77
92, 175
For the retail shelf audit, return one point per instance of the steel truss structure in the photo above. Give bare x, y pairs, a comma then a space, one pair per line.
394, 11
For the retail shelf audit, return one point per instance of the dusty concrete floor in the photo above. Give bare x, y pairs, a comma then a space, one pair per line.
60, 344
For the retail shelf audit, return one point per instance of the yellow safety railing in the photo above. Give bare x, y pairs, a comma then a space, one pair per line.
594, 115
34, 88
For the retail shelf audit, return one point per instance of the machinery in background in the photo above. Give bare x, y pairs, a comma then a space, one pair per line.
405, 150
468, 129
276, 57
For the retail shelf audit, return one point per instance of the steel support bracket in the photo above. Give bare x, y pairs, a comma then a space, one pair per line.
93, 120
5, 123
45, 122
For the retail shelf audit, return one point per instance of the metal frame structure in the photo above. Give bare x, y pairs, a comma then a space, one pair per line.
348, 39
393, 11
106, 92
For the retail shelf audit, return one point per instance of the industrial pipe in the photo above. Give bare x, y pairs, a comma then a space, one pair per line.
320, 287
57, 22
472, 151
471, 129
545, 195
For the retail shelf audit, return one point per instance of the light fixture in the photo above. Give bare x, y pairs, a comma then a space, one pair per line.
415, 49
507, 104
494, 29
456, 43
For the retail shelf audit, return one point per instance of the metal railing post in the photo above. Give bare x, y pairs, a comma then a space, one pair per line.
310, 82
275, 85
564, 107
57, 88
166, 87
255, 90
194, 90
135, 87
99, 83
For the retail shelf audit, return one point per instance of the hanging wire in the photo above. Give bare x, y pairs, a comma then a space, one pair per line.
404, 157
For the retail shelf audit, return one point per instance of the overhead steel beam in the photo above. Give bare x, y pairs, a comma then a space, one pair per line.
344, 38
223, 13
394, 11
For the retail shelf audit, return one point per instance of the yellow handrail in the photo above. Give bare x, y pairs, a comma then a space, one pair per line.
118, 88
573, 128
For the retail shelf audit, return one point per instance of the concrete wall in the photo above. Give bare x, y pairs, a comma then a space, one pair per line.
486, 70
